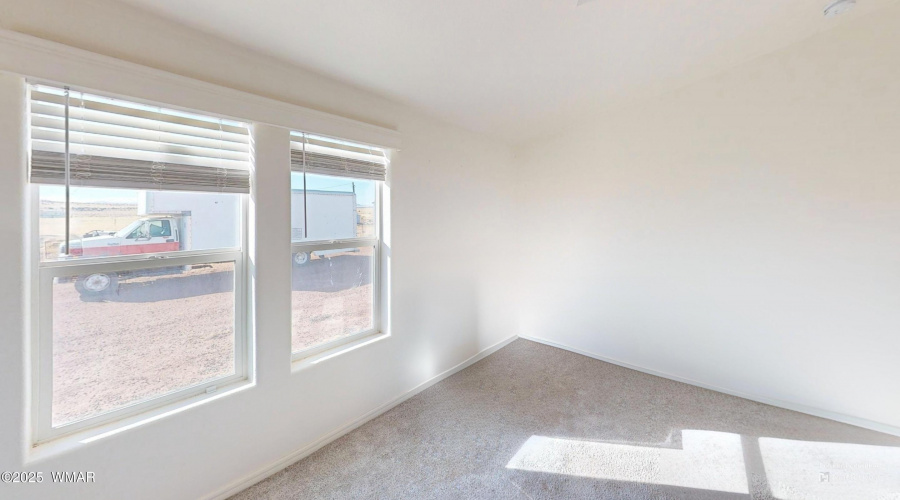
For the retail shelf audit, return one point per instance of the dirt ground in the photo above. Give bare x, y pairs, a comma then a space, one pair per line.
332, 298
157, 335
163, 333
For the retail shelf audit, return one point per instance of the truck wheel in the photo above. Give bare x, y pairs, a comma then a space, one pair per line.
301, 258
97, 285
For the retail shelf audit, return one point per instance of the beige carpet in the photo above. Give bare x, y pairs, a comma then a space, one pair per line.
535, 422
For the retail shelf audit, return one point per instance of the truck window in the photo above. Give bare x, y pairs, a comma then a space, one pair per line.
128, 231
142, 231
160, 229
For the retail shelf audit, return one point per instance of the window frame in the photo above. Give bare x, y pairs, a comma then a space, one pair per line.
375, 242
43, 274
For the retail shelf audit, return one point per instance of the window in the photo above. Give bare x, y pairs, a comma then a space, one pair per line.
335, 194
140, 215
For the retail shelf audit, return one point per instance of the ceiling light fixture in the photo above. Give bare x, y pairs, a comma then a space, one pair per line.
838, 7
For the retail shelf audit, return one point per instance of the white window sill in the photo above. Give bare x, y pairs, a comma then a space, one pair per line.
78, 439
301, 362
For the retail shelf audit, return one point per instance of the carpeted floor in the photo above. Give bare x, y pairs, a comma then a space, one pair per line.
535, 422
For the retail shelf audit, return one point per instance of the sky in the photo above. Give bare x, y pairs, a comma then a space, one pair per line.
365, 190
89, 195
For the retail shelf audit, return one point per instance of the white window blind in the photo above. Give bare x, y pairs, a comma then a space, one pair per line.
321, 155
120, 144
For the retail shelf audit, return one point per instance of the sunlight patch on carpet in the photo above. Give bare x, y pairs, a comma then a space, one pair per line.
807, 470
707, 460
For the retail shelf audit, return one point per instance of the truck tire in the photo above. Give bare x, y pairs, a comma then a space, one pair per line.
97, 285
300, 259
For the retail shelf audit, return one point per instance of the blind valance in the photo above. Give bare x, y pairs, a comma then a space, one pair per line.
120, 144
325, 156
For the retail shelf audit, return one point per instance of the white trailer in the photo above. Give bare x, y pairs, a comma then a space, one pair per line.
207, 219
331, 216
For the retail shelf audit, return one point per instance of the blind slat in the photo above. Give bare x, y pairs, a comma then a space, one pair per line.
118, 144
126, 154
97, 171
324, 156
78, 100
81, 143
105, 129
79, 115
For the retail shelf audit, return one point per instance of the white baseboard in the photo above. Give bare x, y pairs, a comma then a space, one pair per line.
816, 412
255, 477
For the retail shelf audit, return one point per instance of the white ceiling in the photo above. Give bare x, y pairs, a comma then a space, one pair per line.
510, 68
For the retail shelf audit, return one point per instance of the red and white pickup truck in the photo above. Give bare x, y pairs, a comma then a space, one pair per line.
144, 236
168, 221
147, 235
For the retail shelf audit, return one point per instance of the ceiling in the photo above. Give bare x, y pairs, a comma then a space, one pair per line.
513, 69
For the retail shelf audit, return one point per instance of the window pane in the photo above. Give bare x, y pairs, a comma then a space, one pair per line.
339, 208
111, 222
332, 295
121, 338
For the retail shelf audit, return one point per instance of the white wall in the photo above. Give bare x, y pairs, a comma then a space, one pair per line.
14, 351
742, 232
449, 198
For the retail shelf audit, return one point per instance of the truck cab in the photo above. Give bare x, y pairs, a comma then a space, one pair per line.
143, 236
168, 221
146, 235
